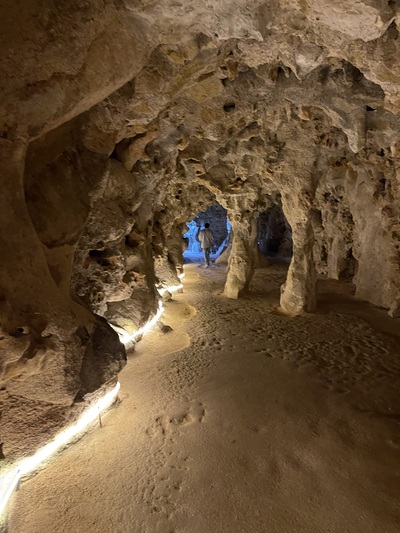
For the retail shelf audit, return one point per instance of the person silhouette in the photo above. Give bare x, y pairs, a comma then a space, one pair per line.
206, 238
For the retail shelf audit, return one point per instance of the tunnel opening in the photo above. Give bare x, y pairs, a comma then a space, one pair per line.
216, 216
349, 267
274, 234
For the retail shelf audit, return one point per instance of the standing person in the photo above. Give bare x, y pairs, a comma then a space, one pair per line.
206, 237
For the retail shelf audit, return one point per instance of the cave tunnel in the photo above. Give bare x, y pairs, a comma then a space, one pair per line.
274, 234
139, 391
217, 218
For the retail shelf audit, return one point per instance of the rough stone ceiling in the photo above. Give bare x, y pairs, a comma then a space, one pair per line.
88, 50
120, 120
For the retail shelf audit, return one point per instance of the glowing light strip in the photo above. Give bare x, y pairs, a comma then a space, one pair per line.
10, 479
172, 288
147, 327
127, 338
8, 482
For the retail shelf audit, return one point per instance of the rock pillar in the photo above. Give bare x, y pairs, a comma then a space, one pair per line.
242, 257
298, 293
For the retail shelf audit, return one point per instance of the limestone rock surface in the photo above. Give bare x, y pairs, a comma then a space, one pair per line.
121, 121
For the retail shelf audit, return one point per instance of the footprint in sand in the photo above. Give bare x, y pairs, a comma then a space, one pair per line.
168, 425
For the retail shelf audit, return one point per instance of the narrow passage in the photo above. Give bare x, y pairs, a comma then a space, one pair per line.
238, 420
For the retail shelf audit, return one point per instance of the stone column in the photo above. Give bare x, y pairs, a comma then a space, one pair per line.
242, 257
298, 293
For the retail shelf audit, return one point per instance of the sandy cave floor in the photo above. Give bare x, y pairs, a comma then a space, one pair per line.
239, 420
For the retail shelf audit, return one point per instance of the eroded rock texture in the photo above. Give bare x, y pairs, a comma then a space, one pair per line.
120, 121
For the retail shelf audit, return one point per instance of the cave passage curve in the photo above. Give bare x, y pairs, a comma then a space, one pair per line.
120, 121
229, 422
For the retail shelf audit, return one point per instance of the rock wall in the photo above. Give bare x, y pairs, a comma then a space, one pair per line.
120, 121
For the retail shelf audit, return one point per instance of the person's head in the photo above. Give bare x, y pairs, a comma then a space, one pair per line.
206, 225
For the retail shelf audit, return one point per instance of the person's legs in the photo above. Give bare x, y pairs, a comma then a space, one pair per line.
207, 256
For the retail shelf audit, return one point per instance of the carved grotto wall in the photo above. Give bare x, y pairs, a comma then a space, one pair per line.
120, 121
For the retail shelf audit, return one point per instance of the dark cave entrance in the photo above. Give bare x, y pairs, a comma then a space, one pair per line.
274, 233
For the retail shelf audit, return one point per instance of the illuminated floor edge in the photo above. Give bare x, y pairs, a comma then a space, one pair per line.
10, 479
128, 338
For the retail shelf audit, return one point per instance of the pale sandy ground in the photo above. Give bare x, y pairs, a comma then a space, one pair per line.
240, 420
